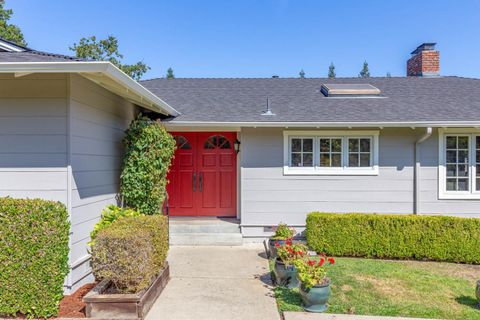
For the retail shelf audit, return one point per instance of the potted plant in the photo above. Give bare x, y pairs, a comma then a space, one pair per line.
314, 283
284, 270
282, 233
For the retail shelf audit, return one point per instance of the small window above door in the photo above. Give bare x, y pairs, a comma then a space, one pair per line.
217, 142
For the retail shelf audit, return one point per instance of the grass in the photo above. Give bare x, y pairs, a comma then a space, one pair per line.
397, 288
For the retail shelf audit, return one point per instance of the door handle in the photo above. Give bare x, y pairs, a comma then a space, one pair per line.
200, 182
194, 182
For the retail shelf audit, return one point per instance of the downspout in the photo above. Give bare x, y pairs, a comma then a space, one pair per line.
416, 171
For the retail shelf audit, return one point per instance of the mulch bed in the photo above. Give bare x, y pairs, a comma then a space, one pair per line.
72, 306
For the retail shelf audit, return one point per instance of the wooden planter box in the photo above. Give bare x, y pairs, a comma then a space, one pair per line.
124, 306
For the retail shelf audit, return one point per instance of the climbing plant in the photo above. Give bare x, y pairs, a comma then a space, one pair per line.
149, 149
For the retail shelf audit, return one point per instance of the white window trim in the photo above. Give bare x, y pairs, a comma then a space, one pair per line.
344, 170
442, 172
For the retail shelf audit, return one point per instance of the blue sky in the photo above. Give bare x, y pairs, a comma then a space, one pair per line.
260, 38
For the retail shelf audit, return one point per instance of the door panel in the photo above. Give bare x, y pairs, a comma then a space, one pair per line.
202, 177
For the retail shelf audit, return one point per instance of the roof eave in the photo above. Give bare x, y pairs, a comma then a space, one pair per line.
294, 124
92, 70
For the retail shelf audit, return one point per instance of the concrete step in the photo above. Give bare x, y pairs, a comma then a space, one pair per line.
206, 239
204, 228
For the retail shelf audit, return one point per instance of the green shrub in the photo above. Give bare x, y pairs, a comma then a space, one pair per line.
437, 238
110, 214
131, 251
283, 232
149, 149
33, 256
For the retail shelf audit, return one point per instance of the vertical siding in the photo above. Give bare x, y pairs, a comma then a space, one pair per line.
269, 197
98, 121
33, 136
429, 202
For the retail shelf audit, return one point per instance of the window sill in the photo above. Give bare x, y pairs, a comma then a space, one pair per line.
459, 196
289, 171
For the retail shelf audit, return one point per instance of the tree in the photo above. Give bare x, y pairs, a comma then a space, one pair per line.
389, 75
302, 74
107, 50
170, 74
364, 73
9, 31
331, 71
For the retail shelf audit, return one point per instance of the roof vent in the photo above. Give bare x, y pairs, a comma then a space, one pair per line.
349, 90
268, 112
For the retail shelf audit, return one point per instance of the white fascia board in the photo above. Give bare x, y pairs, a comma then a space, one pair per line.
452, 124
103, 67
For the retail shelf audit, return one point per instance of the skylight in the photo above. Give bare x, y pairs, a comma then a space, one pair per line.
349, 90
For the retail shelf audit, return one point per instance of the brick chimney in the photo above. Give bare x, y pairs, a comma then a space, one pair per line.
425, 61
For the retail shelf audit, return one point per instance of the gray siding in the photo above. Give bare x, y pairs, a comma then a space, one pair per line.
98, 119
269, 197
33, 136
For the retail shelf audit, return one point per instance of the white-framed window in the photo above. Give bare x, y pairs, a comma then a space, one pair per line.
459, 164
331, 152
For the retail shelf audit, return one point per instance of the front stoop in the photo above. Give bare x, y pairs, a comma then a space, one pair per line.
205, 231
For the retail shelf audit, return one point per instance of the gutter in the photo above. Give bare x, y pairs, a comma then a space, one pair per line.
92, 70
332, 124
416, 171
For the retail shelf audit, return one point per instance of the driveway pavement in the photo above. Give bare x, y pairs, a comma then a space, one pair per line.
217, 283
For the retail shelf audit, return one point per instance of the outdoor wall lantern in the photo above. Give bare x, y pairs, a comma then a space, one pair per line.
236, 145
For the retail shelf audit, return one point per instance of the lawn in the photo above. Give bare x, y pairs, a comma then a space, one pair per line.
397, 288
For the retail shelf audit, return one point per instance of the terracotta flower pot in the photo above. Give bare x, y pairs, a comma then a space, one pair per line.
315, 299
272, 250
285, 276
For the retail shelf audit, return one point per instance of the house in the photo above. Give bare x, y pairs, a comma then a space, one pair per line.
262, 151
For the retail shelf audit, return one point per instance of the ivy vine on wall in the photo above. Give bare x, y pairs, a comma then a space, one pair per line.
149, 149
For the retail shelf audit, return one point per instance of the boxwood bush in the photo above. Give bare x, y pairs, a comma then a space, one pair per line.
33, 256
437, 238
131, 251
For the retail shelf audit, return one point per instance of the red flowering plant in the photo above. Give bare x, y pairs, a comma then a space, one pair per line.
312, 272
289, 252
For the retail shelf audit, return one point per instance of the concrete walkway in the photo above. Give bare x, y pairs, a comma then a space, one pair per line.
217, 283
326, 316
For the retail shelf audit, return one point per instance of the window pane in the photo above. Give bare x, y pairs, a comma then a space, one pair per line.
478, 170
462, 142
324, 160
452, 156
462, 170
451, 142
307, 145
478, 155
478, 144
451, 184
353, 160
364, 145
451, 170
478, 184
365, 160
296, 159
307, 159
336, 160
462, 184
324, 145
353, 145
296, 145
462, 156
336, 145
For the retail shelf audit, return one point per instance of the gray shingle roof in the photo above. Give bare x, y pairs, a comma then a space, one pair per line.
408, 99
35, 56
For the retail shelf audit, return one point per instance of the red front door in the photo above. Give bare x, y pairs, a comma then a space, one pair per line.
203, 175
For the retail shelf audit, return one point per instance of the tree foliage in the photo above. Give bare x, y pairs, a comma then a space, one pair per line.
170, 74
107, 50
149, 149
364, 73
9, 31
331, 71
301, 74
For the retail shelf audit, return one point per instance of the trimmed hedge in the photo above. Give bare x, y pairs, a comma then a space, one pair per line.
131, 251
437, 238
33, 256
